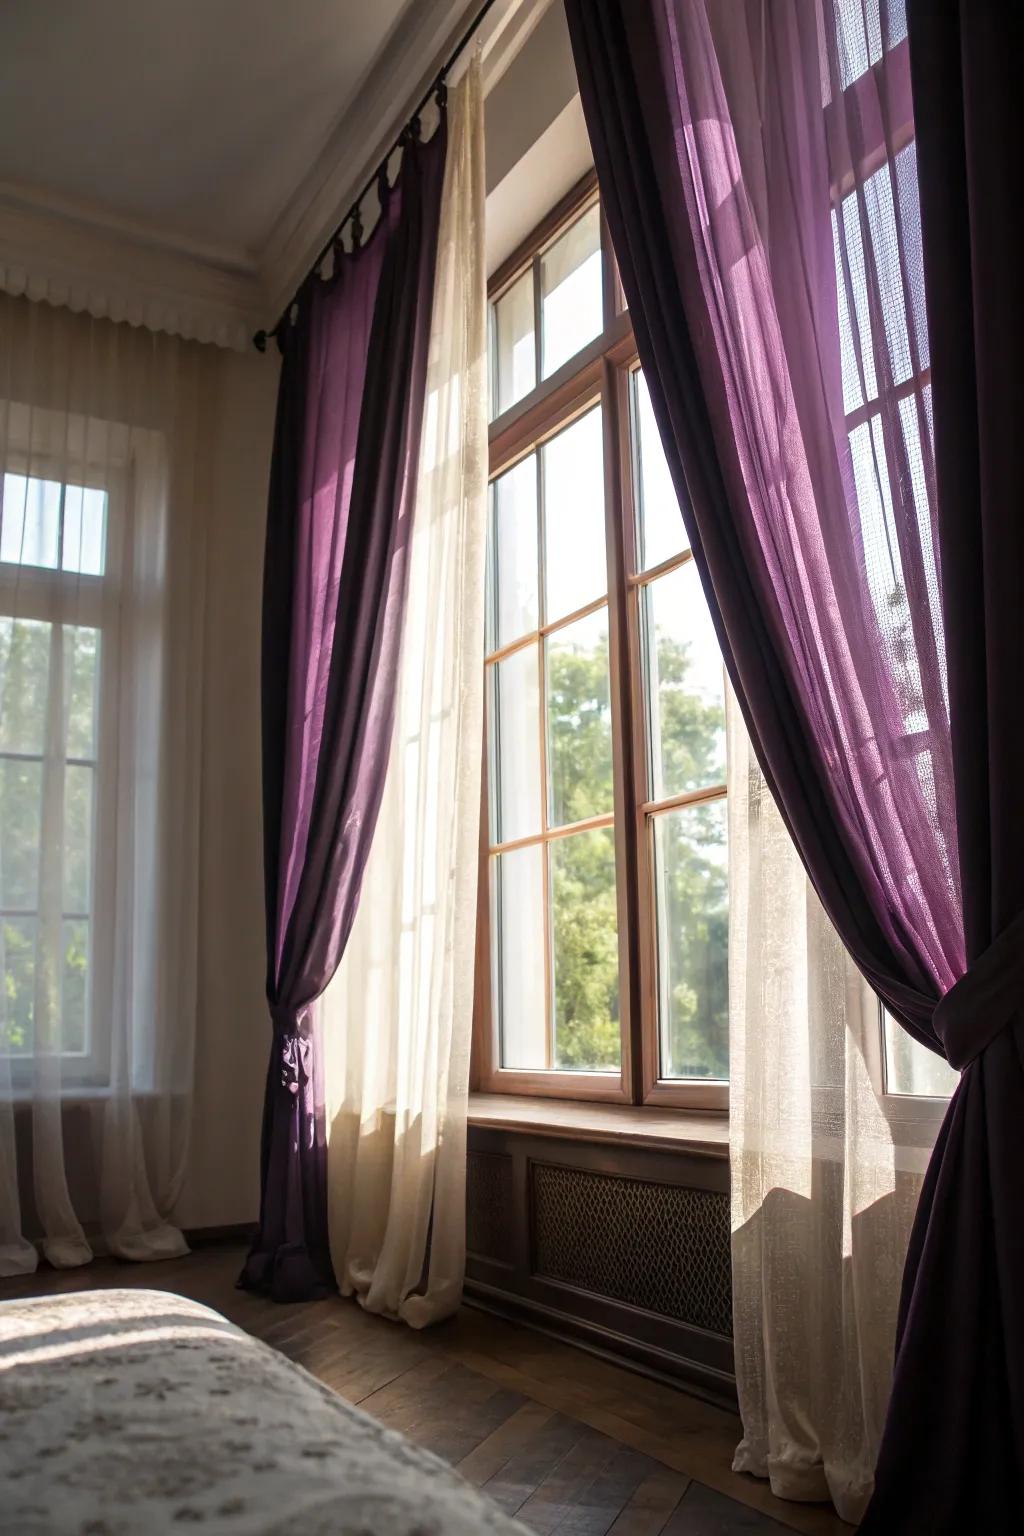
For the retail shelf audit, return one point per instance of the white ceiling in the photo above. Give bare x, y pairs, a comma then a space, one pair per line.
197, 117
178, 163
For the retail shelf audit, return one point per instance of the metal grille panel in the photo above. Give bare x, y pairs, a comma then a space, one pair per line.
661, 1247
489, 1205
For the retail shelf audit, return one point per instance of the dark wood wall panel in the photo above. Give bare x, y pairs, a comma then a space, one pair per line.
622, 1248
488, 1203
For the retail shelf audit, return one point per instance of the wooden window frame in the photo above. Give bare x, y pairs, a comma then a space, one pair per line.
599, 374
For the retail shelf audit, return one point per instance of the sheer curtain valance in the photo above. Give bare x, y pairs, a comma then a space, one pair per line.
104, 439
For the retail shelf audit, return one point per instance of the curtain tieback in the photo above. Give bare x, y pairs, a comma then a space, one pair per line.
295, 1043
978, 1006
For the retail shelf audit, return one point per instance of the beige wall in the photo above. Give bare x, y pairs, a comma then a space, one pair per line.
538, 84
232, 1028
537, 145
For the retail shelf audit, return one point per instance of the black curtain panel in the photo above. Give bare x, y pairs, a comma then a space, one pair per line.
343, 486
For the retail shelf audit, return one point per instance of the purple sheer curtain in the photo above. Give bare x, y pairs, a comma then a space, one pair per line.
712, 143
758, 169
342, 492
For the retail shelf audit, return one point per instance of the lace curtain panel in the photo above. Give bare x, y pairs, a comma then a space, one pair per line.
396, 1019
102, 538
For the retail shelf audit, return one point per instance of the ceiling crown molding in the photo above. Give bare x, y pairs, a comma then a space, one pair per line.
402, 71
424, 37
91, 258
87, 259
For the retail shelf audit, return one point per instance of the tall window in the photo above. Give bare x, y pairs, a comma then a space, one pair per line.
681, 764
604, 915
53, 540
605, 897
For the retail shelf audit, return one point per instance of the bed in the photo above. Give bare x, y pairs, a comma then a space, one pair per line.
137, 1411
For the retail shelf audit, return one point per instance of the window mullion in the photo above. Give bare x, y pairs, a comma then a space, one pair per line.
618, 512
538, 322
60, 525
46, 1019
542, 722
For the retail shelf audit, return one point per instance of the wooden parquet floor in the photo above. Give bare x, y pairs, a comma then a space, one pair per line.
569, 1444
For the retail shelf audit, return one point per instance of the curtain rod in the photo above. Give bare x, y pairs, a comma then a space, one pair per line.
411, 130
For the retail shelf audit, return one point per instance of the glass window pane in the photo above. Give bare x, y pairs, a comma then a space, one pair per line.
515, 747
85, 526
911, 411
853, 292
75, 986
692, 904
81, 676
78, 801
571, 292
515, 359
517, 943
912, 1069
863, 31
21, 801
585, 952
660, 533
685, 686
884, 216
575, 568
17, 983
891, 266
884, 567
30, 521
24, 684
858, 38
579, 720
909, 256
513, 562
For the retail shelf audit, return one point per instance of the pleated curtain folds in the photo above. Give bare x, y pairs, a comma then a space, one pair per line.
396, 1020
827, 1170
372, 608
339, 524
845, 465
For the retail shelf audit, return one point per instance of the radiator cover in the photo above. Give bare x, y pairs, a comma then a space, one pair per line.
663, 1247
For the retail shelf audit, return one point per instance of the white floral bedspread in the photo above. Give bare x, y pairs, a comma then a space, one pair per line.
140, 1412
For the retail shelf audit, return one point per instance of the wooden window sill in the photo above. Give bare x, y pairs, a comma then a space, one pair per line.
701, 1131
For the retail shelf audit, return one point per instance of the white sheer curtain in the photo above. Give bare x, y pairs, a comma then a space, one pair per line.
102, 537
826, 1171
397, 1017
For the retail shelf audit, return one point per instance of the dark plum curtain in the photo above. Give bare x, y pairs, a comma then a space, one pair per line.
342, 492
952, 1456
759, 176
